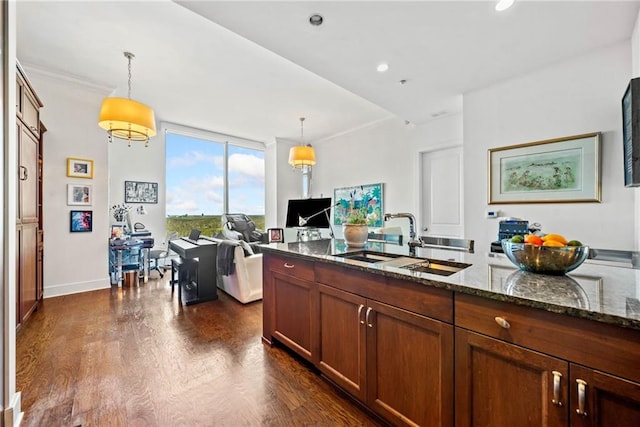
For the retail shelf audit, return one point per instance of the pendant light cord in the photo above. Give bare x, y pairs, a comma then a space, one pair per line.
301, 130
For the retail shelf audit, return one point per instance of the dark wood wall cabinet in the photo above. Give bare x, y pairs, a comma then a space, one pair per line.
29, 233
419, 355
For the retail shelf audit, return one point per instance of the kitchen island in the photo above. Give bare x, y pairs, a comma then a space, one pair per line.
487, 345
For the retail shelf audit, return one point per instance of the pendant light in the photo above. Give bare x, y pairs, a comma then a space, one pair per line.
124, 118
302, 155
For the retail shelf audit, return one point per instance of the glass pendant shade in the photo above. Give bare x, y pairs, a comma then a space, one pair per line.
127, 119
302, 155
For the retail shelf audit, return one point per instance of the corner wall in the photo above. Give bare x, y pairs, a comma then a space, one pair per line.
73, 262
576, 96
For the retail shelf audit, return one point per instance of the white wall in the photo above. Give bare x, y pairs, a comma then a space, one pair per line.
73, 262
573, 97
387, 152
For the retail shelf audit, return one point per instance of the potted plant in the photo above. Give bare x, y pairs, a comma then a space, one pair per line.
355, 228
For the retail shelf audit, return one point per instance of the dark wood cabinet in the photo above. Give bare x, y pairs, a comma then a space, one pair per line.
409, 366
602, 400
502, 385
29, 242
398, 362
288, 293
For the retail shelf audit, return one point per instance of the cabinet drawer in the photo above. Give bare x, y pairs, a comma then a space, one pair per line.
291, 266
427, 301
600, 346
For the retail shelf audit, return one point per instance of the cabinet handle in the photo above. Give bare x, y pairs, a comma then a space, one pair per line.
502, 322
582, 391
24, 174
287, 265
557, 378
359, 314
369, 309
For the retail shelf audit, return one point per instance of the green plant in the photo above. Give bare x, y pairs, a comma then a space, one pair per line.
357, 217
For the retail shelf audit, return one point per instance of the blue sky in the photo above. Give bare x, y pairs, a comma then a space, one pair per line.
195, 183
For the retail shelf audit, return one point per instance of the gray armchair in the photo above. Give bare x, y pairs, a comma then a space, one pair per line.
237, 226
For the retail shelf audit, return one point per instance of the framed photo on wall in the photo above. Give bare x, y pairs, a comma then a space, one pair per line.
140, 192
79, 194
366, 198
80, 221
79, 168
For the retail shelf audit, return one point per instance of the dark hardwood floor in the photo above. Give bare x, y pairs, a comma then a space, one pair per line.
134, 357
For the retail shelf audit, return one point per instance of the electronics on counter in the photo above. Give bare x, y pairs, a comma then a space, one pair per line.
507, 229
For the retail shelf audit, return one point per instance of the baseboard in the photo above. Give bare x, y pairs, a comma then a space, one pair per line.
12, 415
77, 287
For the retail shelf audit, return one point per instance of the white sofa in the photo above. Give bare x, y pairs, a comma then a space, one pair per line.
245, 283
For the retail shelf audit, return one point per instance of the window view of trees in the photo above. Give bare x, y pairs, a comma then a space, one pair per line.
195, 183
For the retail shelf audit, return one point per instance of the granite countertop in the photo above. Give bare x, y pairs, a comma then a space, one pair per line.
600, 291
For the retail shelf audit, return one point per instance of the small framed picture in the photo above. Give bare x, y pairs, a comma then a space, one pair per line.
80, 221
79, 194
117, 231
79, 168
276, 235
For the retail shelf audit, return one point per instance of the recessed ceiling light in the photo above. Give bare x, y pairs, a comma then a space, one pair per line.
316, 19
382, 67
504, 5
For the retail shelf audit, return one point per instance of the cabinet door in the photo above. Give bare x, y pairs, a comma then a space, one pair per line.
28, 177
342, 339
602, 400
502, 385
293, 312
27, 245
409, 366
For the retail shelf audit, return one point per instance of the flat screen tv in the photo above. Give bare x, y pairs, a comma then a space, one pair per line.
309, 213
631, 133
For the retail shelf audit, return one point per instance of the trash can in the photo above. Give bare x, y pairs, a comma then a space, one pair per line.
130, 279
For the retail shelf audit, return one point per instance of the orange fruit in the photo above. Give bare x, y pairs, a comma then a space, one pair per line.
532, 239
552, 243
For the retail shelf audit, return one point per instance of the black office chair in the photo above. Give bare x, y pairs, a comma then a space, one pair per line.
155, 255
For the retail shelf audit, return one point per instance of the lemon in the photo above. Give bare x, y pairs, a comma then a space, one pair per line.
553, 243
555, 237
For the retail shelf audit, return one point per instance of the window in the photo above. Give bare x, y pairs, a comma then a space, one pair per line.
208, 174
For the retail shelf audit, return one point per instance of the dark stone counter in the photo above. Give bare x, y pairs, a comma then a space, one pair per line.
602, 291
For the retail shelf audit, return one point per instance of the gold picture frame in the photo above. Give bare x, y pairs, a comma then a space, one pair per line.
79, 168
557, 170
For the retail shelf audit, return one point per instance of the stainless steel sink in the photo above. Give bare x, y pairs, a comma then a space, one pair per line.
423, 265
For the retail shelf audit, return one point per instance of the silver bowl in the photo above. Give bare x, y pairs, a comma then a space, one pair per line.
545, 259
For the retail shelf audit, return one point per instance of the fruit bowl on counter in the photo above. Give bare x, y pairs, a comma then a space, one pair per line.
556, 260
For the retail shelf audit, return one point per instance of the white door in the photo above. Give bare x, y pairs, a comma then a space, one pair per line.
441, 198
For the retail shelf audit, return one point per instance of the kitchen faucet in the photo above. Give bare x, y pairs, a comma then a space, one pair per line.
412, 227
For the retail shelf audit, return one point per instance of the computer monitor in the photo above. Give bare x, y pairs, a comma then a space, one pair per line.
194, 234
313, 213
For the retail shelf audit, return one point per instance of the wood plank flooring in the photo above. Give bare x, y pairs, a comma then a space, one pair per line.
134, 357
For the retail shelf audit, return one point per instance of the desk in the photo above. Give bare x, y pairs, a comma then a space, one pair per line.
127, 255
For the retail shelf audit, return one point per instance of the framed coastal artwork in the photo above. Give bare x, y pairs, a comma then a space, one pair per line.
360, 197
552, 171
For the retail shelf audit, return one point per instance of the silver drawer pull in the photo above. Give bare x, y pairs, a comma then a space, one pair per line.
502, 322
582, 391
286, 265
359, 314
367, 317
557, 378
33, 128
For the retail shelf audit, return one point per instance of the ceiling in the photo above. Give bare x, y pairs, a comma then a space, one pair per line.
251, 69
